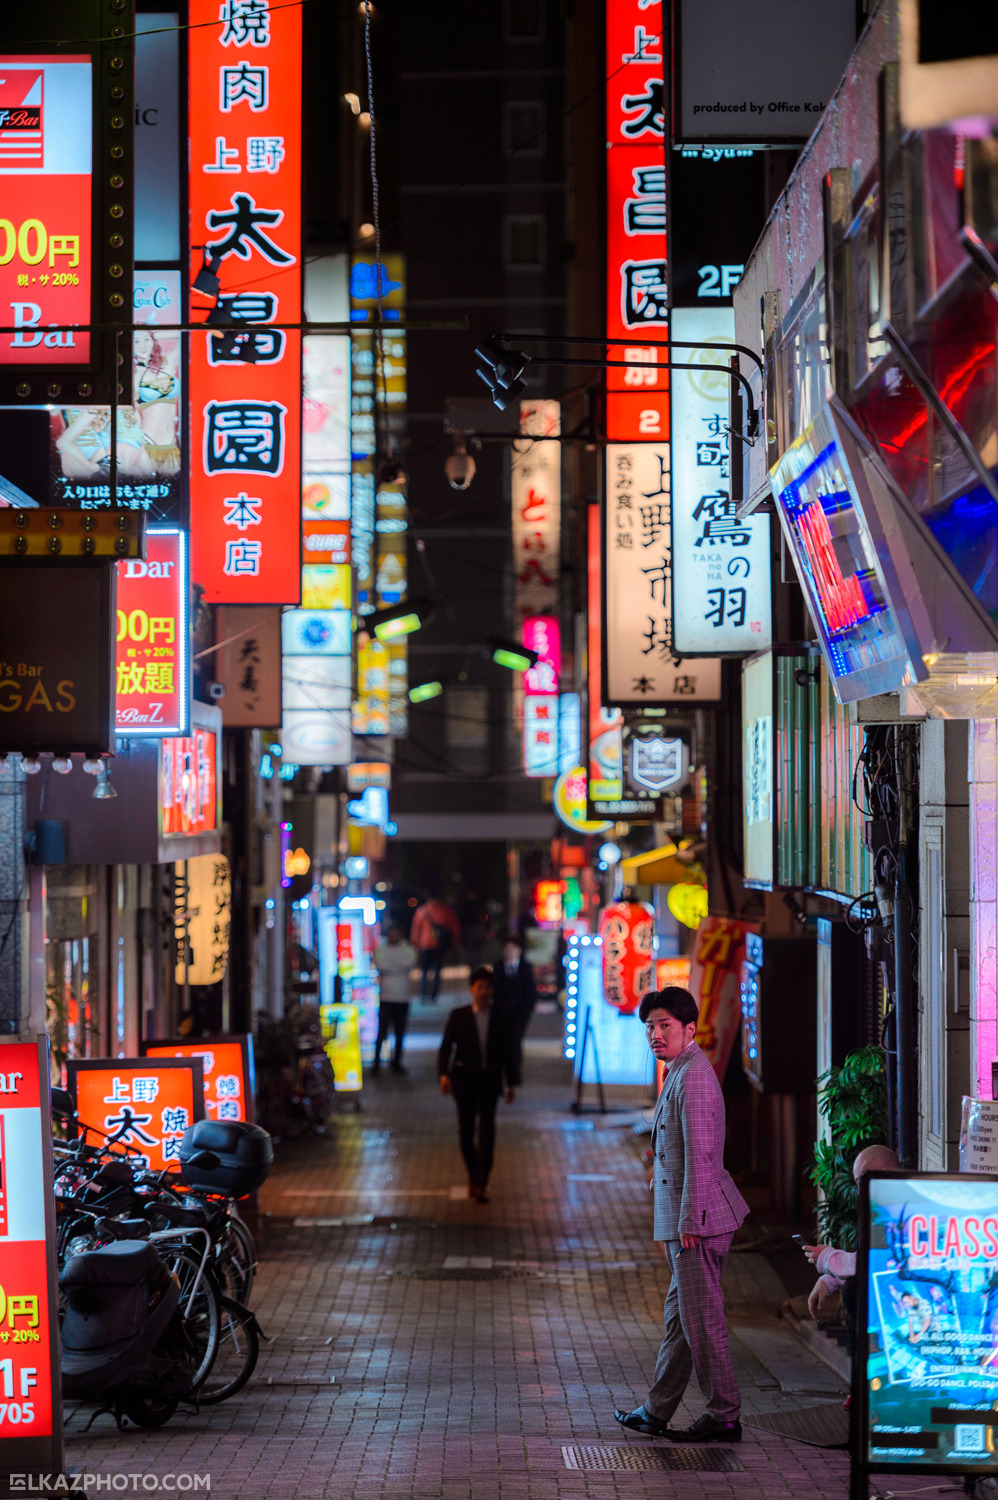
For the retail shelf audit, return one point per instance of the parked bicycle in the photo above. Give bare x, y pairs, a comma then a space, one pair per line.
296, 1088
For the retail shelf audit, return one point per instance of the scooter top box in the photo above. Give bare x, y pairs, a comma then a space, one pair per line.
245, 1153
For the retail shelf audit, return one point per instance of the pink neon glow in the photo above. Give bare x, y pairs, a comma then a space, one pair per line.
841, 598
984, 902
542, 633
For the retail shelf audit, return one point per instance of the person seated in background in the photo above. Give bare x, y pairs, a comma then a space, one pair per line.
393, 959
836, 1268
515, 985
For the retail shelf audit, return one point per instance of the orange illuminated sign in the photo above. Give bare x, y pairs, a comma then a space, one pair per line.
548, 900
189, 786
245, 383
228, 1072
143, 1105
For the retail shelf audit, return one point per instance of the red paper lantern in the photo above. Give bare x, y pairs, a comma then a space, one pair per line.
627, 929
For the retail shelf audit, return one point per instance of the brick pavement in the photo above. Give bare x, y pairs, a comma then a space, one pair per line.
429, 1348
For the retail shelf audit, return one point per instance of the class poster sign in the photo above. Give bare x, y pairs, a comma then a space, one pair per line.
152, 678
142, 1104
927, 1384
46, 128
30, 1413
228, 1072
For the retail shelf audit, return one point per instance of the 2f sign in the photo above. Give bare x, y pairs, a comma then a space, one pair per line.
718, 281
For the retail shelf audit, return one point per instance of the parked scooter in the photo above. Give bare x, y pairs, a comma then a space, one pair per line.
125, 1342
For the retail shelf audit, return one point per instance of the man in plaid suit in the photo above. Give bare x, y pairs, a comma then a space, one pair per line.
697, 1210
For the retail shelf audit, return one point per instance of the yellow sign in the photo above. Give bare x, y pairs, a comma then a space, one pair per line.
688, 904
341, 1028
570, 802
296, 862
207, 916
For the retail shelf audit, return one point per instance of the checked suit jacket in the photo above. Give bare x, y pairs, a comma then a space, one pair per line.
693, 1192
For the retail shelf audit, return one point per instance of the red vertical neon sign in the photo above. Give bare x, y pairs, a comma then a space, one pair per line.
245, 387
636, 290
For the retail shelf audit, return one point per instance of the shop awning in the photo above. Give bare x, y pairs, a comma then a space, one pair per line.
657, 867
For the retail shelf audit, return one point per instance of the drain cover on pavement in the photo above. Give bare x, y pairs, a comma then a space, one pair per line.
716, 1460
824, 1426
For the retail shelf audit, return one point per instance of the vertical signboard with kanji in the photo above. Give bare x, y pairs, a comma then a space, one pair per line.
30, 1412
540, 696
153, 627
142, 1105
637, 296
245, 383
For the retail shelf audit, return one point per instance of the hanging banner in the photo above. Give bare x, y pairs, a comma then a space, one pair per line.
715, 976
30, 1408
152, 682
244, 87
641, 663
637, 292
202, 922
720, 565
146, 1103
535, 488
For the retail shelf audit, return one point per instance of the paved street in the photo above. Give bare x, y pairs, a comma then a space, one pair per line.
425, 1346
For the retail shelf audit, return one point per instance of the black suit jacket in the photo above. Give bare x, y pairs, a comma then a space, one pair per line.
460, 1056
515, 992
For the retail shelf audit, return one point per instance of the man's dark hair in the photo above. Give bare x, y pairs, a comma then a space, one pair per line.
512, 937
481, 972
677, 1001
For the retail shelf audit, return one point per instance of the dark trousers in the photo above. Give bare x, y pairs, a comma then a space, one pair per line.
431, 961
393, 1015
477, 1105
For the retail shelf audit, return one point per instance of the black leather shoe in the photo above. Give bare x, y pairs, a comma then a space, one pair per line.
706, 1429
639, 1420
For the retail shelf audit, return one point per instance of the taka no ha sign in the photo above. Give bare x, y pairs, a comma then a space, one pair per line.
245, 94
144, 1104
153, 661
45, 206
30, 1415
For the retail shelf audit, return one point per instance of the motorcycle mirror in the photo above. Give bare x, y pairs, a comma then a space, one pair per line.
206, 1160
62, 1104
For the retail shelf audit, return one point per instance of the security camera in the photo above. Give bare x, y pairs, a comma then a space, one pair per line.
216, 691
460, 469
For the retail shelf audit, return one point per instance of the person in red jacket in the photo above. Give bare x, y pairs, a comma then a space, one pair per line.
435, 928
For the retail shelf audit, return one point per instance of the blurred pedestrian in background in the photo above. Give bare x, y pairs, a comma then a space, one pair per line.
435, 928
394, 959
478, 1057
515, 985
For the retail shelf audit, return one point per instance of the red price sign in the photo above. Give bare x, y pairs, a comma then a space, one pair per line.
245, 91
30, 1420
147, 1103
152, 687
228, 1072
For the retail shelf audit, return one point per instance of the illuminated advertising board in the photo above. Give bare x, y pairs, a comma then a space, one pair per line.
148, 425
535, 484
30, 1411
46, 131
758, 771
56, 683
927, 1379
637, 292
244, 89
229, 1085
721, 593
189, 789
146, 1103
541, 633
152, 684
202, 918
641, 663
317, 673
844, 565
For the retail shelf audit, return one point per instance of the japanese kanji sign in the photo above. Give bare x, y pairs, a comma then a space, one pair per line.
637, 292
721, 566
146, 1103
153, 625
715, 974
202, 920
30, 1417
245, 384
249, 664
536, 497
540, 696
642, 665
228, 1072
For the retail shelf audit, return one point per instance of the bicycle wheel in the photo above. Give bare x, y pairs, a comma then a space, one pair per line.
318, 1094
237, 1260
238, 1351
200, 1313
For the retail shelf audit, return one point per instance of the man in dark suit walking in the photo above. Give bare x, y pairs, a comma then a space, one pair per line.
478, 1057
515, 986
697, 1210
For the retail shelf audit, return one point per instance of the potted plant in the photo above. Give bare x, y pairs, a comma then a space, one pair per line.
853, 1099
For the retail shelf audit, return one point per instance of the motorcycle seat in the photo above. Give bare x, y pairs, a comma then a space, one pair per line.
125, 1263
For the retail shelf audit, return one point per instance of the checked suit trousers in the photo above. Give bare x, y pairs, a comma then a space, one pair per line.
696, 1333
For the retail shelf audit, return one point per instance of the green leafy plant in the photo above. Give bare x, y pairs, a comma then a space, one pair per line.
853, 1099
